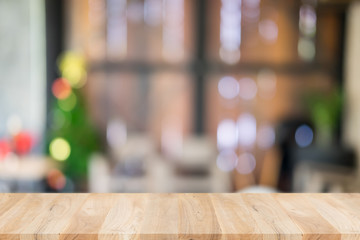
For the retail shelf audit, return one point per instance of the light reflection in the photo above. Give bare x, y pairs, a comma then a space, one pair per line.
227, 136
228, 87
246, 163
246, 126
227, 160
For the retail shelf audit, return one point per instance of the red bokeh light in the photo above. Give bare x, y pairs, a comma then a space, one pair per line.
4, 149
23, 143
61, 88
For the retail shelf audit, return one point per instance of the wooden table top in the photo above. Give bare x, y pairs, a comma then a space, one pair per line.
179, 216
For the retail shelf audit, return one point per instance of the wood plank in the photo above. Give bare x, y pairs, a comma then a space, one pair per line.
303, 214
179, 216
87, 222
197, 219
234, 217
125, 218
7, 201
271, 218
161, 217
23, 213
54, 218
337, 215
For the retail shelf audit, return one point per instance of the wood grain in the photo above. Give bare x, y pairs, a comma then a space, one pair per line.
179, 216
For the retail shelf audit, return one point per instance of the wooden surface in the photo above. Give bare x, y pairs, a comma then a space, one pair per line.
179, 216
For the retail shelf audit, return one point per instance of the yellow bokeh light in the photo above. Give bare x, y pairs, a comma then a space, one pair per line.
73, 68
75, 75
59, 149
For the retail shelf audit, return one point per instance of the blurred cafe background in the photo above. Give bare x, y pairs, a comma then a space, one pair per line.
179, 96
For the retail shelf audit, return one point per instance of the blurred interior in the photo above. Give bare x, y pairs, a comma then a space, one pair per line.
179, 96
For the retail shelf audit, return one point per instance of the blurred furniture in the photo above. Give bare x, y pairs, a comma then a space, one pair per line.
319, 169
312, 167
138, 168
24, 174
179, 216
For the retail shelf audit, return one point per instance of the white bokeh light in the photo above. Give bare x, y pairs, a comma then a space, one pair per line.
246, 126
246, 163
230, 31
116, 133
248, 88
268, 30
228, 87
227, 136
265, 137
227, 160
307, 21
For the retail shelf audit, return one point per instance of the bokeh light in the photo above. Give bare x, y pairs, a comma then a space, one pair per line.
230, 31
307, 21
61, 88
227, 160
268, 30
23, 143
266, 82
173, 30
56, 179
4, 149
116, 133
68, 103
73, 69
246, 163
229, 56
248, 88
246, 126
265, 137
59, 149
153, 12
304, 136
228, 87
306, 49
14, 125
58, 119
227, 136
117, 28
251, 10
